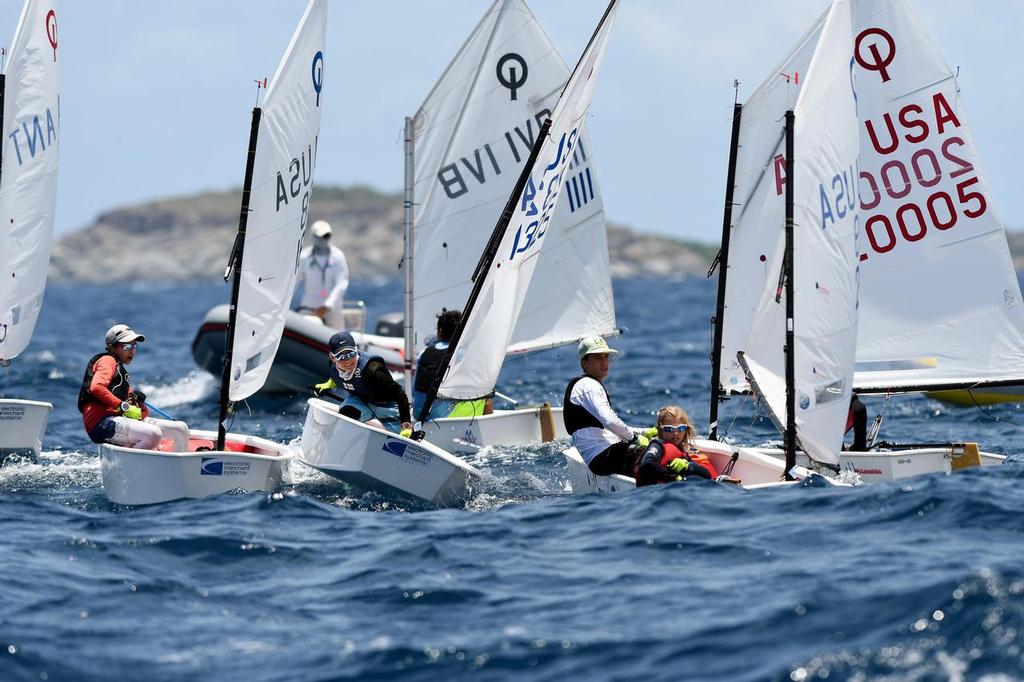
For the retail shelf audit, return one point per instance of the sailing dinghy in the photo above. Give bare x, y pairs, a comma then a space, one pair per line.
272, 223
801, 345
464, 147
925, 212
29, 90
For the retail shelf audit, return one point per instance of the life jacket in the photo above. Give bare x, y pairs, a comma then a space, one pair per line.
670, 452
120, 385
356, 386
576, 417
427, 366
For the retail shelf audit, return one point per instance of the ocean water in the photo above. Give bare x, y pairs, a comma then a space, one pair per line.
914, 580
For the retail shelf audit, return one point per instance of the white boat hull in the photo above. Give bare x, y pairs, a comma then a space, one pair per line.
133, 476
890, 465
22, 426
375, 459
301, 359
508, 428
752, 469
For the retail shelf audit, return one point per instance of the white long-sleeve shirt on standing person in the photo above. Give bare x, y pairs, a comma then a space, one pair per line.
324, 279
591, 441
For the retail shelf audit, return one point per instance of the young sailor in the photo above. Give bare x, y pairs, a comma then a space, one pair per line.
111, 411
672, 456
374, 396
603, 440
323, 274
427, 366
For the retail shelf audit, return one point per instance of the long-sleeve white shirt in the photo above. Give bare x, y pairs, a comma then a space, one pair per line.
324, 279
591, 441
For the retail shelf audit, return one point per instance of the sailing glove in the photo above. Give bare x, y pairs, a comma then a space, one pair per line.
320, 389
133, 412
650, 432
641, 440
678, 465
405, 433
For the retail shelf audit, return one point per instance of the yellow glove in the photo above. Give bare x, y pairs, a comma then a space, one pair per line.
405, 433
678, 465
651, 432
320, 389
133, 412
641, 440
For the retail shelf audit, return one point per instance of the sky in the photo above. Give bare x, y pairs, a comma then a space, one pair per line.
156, 97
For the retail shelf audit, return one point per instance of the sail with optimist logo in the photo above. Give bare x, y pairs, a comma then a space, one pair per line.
471, 137
276, 200
817, 259
940, 306
28, 179
474, 358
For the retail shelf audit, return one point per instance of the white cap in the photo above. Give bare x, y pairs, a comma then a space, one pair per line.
122, 333
321, 228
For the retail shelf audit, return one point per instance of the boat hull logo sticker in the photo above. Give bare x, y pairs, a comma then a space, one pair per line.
212, 467
395, 447
879, 62
318, 74
514, 77
51, 31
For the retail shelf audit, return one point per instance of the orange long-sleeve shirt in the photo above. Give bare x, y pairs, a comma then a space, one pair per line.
102, 402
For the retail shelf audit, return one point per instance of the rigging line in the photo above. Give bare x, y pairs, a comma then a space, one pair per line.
988, 414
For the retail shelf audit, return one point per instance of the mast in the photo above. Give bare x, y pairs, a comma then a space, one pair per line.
235, 263
717, 394
3, 89
407, 218
486, 259
788, 274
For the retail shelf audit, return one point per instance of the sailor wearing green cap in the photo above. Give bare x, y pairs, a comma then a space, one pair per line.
603, 440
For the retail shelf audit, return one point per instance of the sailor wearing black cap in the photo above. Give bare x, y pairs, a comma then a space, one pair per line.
374, 396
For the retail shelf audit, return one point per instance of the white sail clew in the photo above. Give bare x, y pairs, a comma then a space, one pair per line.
279, 204
940, 302
760, 206
488, 331
824, 253
939, 298
472, 135
28, 184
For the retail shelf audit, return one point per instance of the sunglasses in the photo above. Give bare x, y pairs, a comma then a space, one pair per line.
669, 428
129, 346
344, 354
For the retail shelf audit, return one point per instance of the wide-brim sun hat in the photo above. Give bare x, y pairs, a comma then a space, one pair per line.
595, 345
122, 333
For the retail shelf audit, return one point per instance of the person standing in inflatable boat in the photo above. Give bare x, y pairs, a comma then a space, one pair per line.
323, 274
671, 456
111, 411
374, 396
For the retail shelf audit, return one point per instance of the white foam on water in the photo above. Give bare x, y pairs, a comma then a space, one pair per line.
191, 388
53, 470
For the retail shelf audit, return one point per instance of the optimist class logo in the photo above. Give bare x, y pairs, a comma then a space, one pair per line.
318, 74
51, 31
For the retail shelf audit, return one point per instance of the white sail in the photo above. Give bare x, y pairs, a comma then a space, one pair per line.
759, 204
825, 255
28, 184
477, 361
279, 204
472, 135
940, 303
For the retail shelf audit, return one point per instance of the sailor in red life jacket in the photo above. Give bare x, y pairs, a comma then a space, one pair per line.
672, 456
111, 411
603, 440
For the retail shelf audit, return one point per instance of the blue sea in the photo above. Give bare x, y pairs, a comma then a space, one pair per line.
921, 579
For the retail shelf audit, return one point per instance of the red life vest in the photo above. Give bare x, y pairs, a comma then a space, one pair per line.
671, 452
